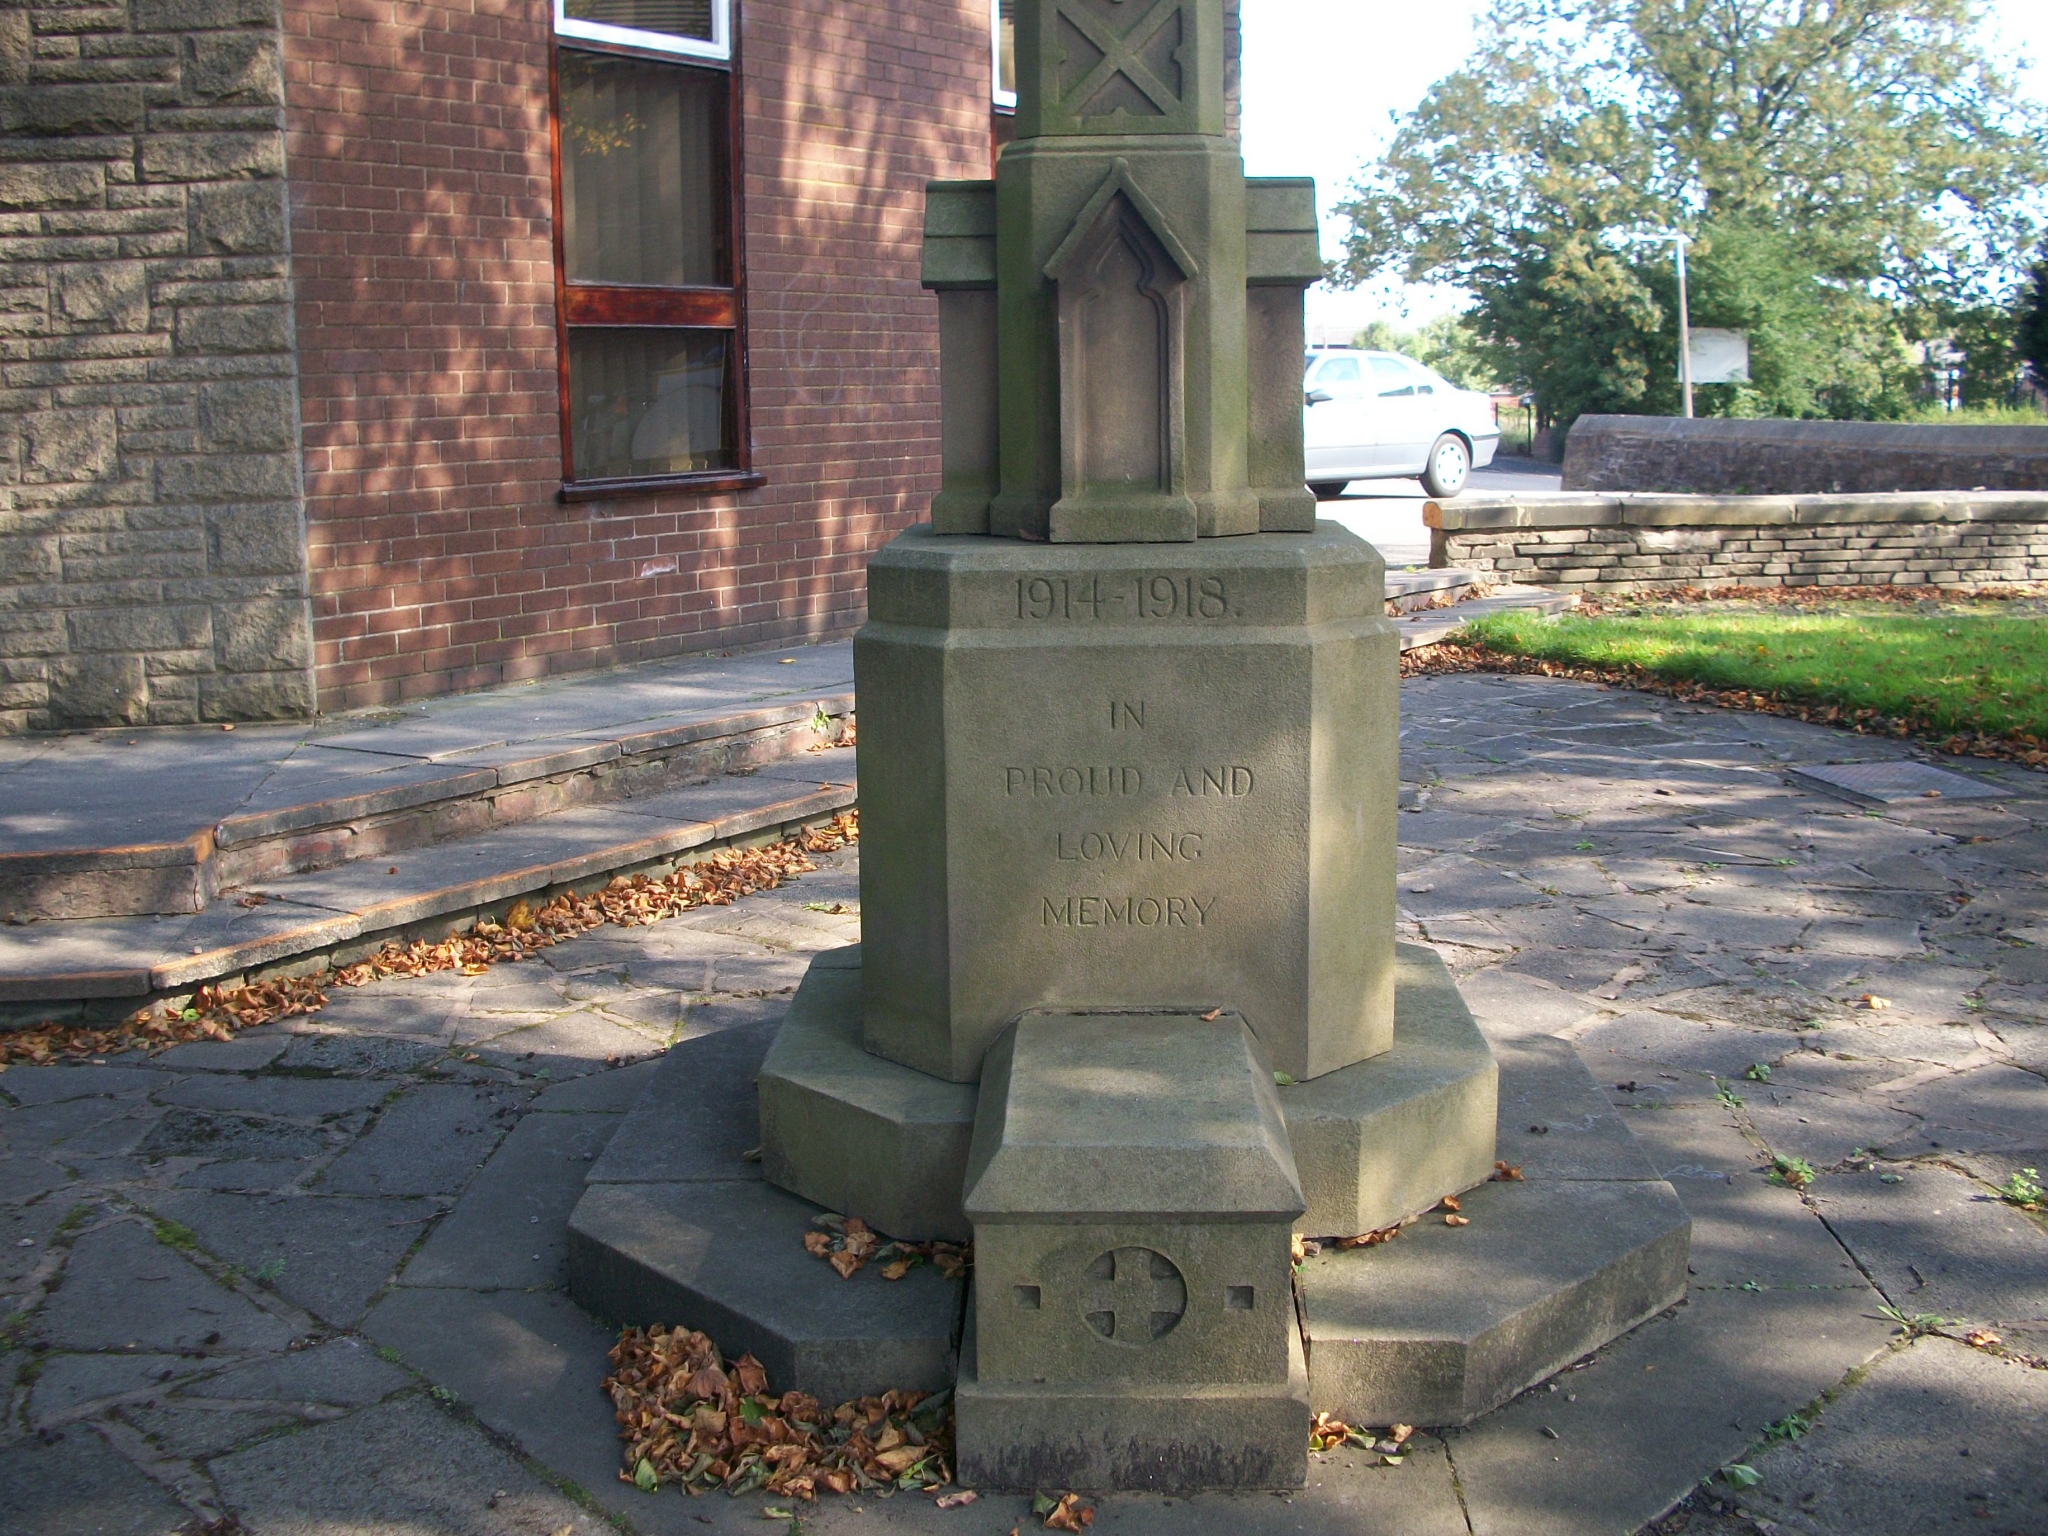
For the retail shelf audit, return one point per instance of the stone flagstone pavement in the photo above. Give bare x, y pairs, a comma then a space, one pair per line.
312, 1277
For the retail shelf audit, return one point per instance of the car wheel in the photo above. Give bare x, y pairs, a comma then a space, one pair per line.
1450, 462
1328, 490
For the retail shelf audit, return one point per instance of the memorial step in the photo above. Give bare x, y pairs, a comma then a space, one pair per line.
355, 908
1414, 589
1435, 624
160, 820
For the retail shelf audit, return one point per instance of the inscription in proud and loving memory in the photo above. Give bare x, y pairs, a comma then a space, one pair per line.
1147, 843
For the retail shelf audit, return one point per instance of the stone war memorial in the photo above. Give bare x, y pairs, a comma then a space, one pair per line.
1128, 1011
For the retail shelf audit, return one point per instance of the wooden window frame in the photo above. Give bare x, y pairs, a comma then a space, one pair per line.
580, 305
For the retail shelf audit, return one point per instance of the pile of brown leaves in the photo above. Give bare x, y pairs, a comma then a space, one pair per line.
212, 1014
217, 1013
1328, 1434
1455, 656
1406, 607
686, 1416
848, 1244
1594, 604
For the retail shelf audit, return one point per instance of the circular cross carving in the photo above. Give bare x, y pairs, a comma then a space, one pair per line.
1133, 1295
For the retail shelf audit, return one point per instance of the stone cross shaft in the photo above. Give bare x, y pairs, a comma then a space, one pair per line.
1120, 308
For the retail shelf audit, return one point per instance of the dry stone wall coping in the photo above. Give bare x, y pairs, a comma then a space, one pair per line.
1652, 509
1714, 455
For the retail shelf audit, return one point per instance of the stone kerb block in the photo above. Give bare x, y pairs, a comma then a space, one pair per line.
1127, 776
1132, 1192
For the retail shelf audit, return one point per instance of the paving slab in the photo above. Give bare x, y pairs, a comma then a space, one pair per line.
511, 1229
329, 1254
1936, 1435
404, 1465
430, 1142
531, 1365
124, 1287
1886, 783
1746, 1231
1663, 1407
1935, 1241
72, 1386
77, 1486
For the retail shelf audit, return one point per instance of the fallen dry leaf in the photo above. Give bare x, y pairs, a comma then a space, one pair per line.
958, 1500
1369, 1239
1212, 1015
1873, 1002
1507, 1173
1455, 1221
1982, 1338
1449, 1202
1070, 1514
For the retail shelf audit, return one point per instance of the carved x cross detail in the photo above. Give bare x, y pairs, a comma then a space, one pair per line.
1120, 54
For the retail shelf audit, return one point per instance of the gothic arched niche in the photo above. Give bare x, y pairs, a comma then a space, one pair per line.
1121, 280
1123, 344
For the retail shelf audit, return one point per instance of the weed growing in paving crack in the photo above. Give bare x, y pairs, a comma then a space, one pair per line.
1793, 1172
2023, 1189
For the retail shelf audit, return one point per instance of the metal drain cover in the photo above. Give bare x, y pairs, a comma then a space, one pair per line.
1888, 783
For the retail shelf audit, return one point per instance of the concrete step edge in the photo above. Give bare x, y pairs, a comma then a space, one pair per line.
1439, 624
449, 906
183, 876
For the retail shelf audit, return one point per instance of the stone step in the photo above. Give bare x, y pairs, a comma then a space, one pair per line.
1435, 624
1409, 590
353, 909
112, 823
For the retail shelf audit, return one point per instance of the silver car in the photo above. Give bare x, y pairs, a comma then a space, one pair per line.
1378, 416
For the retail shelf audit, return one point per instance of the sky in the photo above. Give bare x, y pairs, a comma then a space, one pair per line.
1324, 79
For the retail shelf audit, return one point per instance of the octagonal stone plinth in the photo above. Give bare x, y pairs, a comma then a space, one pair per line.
1393, 1135
852, 1131
1445, 1323
1373, 1142
1127, 776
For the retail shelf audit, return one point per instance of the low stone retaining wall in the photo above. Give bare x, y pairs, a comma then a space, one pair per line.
1624, 543
1712, 456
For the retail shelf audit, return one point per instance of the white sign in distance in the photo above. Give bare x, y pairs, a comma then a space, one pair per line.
1720, 357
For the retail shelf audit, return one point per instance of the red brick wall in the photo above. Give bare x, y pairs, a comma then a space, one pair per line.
417, 149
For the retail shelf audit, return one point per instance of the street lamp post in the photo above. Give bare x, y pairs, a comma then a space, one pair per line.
1679, 241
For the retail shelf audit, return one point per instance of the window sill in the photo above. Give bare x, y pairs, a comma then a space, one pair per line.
657, 485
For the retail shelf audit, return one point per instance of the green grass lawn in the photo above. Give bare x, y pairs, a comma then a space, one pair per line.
1968, 668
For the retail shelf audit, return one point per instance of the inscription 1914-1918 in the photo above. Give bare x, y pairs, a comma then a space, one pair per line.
1114, 598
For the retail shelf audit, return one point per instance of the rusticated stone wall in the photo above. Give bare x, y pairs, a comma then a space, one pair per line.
152, 559
1710, 456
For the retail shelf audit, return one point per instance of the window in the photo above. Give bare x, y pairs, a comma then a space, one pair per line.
1390, 376
1339, 375
648, 269
693, 28
1002, 50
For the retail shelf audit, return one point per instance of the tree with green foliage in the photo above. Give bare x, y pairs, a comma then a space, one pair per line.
2030, 321
1449, 344
1853, 172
